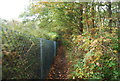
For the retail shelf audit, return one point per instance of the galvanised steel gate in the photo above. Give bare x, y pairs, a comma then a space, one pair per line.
25, 57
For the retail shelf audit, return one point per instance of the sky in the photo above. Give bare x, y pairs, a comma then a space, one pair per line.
11, 9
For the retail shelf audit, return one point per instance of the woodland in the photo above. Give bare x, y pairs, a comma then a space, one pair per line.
87, 36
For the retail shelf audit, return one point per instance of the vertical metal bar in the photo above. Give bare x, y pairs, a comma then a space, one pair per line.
54, 48
41, 58
0, 53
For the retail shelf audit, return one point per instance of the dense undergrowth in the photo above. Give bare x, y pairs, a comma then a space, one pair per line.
94, 55
19, 56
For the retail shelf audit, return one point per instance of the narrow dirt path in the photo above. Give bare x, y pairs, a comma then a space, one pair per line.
59, 69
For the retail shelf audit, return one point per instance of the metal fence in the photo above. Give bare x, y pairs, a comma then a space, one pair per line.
25, 57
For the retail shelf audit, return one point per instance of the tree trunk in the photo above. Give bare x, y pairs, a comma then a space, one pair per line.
92, 13
118, 15
81, 18
110, 15
86, 16
118, 34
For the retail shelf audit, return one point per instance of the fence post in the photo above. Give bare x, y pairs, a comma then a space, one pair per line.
54, 48
41, 58
1, 53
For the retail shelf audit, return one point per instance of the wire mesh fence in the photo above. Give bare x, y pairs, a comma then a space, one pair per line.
25, 57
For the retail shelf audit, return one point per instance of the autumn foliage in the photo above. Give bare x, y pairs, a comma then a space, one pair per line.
95, 56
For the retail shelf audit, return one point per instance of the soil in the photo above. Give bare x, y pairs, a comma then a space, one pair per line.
59, 69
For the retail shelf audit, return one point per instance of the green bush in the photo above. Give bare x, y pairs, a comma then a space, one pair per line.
96, 56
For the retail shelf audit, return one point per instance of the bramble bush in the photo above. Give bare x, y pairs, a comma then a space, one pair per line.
20, 56
95, 56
